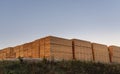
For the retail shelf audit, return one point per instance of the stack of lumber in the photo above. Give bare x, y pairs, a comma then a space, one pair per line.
21, 51
0, 54
101, 53
82, 50
59, 48
17, 51
114, 54
3, 54
36, 49
27, 50
8, 53
47, 47
56, 48
12, 53
42, 48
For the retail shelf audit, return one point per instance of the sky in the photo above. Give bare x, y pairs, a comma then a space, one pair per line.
23, 21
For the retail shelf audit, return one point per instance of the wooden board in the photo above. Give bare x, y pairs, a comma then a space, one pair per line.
83, 50
100, 47
84, 57
47, 49
36, 49
81, 43
27, 50
57, 40
21, 51
17, 51
114, 50
115, 59
61, 48
61, 56
42, 48
101, 53
102, 59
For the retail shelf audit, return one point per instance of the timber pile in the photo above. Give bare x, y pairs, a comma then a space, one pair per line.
51, 47
82, 50
114, 54
36, 49
101, 53
58, 48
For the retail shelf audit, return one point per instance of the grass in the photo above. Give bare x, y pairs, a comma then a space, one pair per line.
57, 67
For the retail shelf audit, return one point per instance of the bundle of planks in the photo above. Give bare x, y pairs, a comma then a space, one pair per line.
36, 49
21, 51
0, 54
114, 54
82, 50
17, 51
42, 48
101, 53
7, 53
56, 48
3, 54
27, 50
47, 47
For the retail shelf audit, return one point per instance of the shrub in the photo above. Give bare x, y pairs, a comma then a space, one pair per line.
57, 67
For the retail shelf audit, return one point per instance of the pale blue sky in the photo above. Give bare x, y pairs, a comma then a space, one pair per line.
23, 21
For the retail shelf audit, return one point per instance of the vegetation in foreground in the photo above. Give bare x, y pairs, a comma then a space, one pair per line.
58, 67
